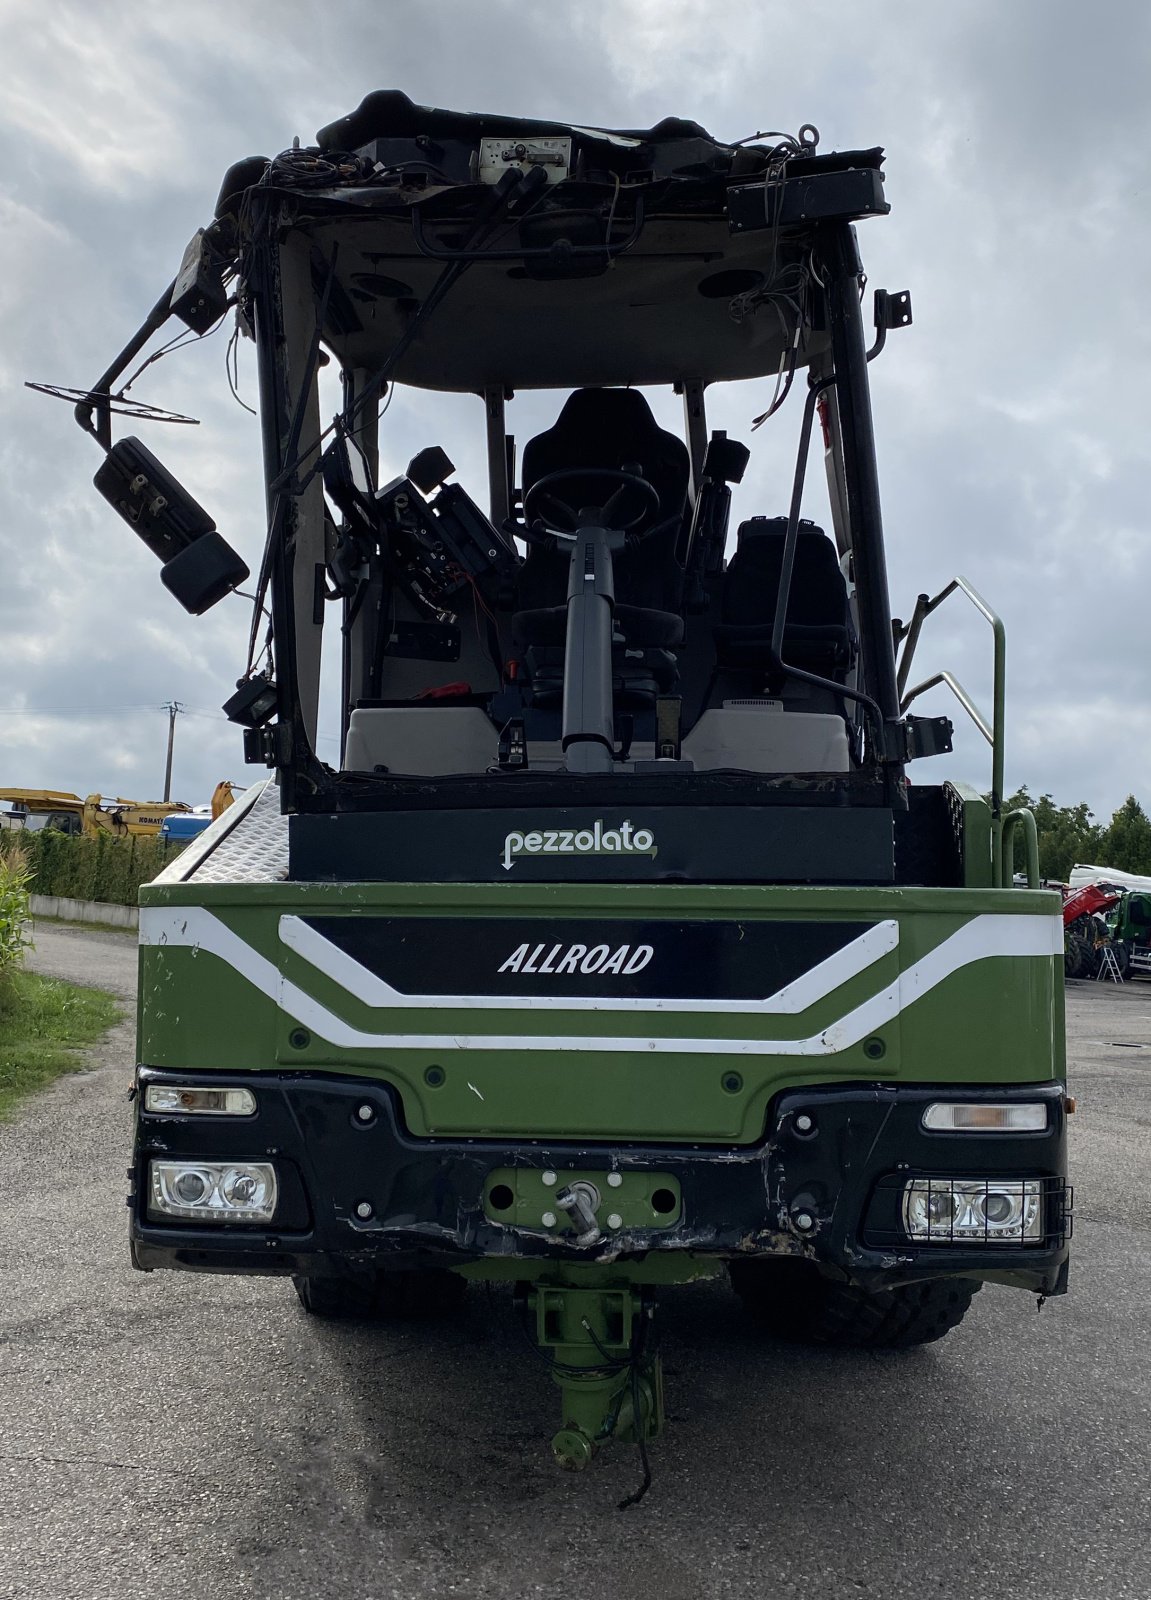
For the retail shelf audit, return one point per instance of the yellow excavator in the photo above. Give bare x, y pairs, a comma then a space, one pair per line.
224, 795
95, 815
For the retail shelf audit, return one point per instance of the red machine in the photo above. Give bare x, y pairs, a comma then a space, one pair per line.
1086, 901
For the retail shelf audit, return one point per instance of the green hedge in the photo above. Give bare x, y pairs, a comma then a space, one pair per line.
106, 868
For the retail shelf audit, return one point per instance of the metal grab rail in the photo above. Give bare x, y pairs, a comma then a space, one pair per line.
960, 694
993, 732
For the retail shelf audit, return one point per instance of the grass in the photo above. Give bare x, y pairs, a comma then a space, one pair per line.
44, 1024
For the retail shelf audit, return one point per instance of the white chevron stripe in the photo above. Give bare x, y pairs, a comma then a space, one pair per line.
793, 998
983, 937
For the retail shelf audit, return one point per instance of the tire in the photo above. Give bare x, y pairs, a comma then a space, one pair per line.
1078, 957
382, 1295
338, 1299
791, 1300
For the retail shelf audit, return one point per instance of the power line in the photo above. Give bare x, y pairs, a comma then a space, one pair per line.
107, 711
73, 711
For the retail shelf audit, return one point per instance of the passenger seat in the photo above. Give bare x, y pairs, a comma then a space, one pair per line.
818, 633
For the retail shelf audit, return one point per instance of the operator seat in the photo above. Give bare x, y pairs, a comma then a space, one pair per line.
612, 428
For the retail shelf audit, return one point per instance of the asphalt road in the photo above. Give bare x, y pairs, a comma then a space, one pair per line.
173, 1435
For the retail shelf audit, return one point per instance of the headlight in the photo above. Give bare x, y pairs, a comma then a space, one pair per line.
199, 1100
980, 1210
213, 1191
970, 1116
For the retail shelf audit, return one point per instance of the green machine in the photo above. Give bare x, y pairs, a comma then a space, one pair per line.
617, 949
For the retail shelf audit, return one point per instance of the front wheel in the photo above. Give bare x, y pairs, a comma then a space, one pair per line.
792, 1300
377, 1295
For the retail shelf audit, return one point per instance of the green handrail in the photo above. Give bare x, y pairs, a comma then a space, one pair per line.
993, 731
1025, 819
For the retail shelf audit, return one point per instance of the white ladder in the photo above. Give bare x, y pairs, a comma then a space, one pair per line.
1108, 966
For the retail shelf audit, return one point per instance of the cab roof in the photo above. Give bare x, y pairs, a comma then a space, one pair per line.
635, 256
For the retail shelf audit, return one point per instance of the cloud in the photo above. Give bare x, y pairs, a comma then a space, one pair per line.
1011, 418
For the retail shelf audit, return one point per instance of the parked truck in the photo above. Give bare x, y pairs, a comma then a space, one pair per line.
619, 948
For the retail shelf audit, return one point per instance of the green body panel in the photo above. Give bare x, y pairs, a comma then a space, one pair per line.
639, 1199
996, 1019
976, 828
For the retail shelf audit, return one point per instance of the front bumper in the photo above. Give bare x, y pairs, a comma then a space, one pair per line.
822, 1192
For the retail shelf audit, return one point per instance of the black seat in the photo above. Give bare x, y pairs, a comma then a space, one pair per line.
818, 634
611, 428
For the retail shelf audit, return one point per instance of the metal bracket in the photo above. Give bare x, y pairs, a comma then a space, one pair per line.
513, 747
892, 310
928, 736
551, 152
268, 746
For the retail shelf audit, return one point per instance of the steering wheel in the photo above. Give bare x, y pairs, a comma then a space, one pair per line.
545, 489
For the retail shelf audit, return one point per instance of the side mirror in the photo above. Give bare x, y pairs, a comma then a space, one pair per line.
200, 567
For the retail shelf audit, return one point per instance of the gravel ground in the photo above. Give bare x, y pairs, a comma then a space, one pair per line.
173, 1435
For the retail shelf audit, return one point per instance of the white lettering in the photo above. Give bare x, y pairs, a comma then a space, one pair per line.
640, 958
623, 960
596, 840
514, 961
598, 955
571, 958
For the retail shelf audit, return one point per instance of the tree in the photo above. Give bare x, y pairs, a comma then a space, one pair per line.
1126, 844
1066, 835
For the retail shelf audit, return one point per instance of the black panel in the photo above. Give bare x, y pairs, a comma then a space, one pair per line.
526, 790
927, 848
741, 844
822, 197
527, 956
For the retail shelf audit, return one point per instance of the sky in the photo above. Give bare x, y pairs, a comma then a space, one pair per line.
1012, 418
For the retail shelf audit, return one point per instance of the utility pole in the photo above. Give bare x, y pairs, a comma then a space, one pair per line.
171, 707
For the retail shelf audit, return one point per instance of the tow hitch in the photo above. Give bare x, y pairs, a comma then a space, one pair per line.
599, 1342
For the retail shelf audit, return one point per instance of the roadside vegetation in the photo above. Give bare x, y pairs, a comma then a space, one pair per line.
44, 1023
106, 868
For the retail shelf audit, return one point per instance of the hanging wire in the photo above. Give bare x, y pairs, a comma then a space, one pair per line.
185, 336
232, 370
785, 287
